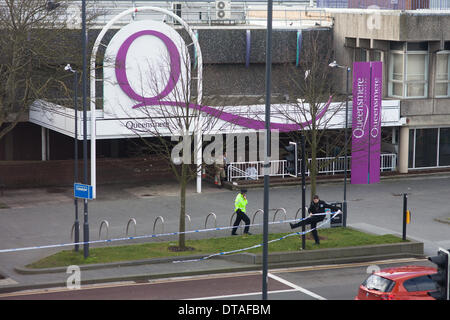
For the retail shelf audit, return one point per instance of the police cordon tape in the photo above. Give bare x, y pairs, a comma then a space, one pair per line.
161, 235
261, 244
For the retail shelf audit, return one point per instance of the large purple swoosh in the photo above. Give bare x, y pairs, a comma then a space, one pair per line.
247, 122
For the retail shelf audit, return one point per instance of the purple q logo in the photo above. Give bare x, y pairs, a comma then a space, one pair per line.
127, 36
121, 73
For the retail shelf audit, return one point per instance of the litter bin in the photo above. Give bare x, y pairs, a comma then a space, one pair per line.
337, 220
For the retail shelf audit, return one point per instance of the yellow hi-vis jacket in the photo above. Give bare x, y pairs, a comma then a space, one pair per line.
240, 203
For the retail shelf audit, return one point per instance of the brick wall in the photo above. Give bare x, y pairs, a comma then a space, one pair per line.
14, 174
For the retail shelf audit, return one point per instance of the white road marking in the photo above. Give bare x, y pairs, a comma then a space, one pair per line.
242, 294
298, 288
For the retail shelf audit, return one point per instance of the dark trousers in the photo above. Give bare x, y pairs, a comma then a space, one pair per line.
313, 221
239, 217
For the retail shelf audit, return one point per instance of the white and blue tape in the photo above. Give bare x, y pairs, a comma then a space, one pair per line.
167, 234
261, 244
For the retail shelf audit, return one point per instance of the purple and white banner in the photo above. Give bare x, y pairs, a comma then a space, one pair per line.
376, 96
366, 122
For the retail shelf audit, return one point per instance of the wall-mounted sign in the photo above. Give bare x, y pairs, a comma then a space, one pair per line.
146, 64
146, 76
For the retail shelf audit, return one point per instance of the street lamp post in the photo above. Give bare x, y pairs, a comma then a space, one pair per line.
75, 176
302, 169
344, 205
268, 151
84, 88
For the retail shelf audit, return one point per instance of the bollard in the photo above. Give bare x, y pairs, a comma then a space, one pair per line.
405, 213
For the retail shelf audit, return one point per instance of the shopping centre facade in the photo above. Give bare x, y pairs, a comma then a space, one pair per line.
414, 47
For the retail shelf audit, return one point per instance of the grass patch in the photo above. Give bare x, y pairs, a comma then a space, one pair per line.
330, 238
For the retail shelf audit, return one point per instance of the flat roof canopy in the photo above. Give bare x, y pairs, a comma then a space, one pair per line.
62, 119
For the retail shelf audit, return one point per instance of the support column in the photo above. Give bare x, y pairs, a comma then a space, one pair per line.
44, 144
403, 150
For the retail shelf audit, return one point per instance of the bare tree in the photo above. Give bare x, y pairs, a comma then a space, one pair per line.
311, 91
177, 115
37, 38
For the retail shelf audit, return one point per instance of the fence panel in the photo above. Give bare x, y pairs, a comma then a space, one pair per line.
327, 165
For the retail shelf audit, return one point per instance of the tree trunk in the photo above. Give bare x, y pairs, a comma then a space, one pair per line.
182, 224
313, 165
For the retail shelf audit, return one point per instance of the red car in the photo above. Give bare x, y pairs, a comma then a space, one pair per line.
400, 283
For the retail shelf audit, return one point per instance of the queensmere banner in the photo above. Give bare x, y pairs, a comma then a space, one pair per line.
366, 122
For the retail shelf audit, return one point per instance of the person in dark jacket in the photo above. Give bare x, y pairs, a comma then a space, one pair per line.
316, 207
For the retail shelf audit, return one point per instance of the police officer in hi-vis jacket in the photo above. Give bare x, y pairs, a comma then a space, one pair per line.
240, 204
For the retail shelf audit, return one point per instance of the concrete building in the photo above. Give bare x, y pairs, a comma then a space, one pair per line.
413, 45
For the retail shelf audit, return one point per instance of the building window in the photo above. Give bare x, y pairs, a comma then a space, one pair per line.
408, 70
361, 55
396, 75
444, 147
442, 74
426, 148
429, 148
376, 55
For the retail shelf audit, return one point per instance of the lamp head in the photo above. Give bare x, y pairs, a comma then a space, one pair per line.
333, 64
68, 68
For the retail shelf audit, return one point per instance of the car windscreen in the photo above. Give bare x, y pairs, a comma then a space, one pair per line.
375, 282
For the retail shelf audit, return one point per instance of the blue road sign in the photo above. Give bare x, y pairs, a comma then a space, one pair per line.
82, 191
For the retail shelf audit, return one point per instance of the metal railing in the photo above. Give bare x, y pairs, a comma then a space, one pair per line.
285, 13
386, 4
327, 165
253, 170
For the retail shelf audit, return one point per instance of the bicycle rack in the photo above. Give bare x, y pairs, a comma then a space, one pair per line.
189, 218
215, 219
162, 222
298, 211
274, 216
278, 210
256, 212
106, 223
128, 226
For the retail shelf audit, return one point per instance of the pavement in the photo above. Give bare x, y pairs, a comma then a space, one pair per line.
36, 217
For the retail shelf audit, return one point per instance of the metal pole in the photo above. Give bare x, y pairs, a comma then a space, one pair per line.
344, 205
303, 167
77, 223
268, 151
405, 206
84, 87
